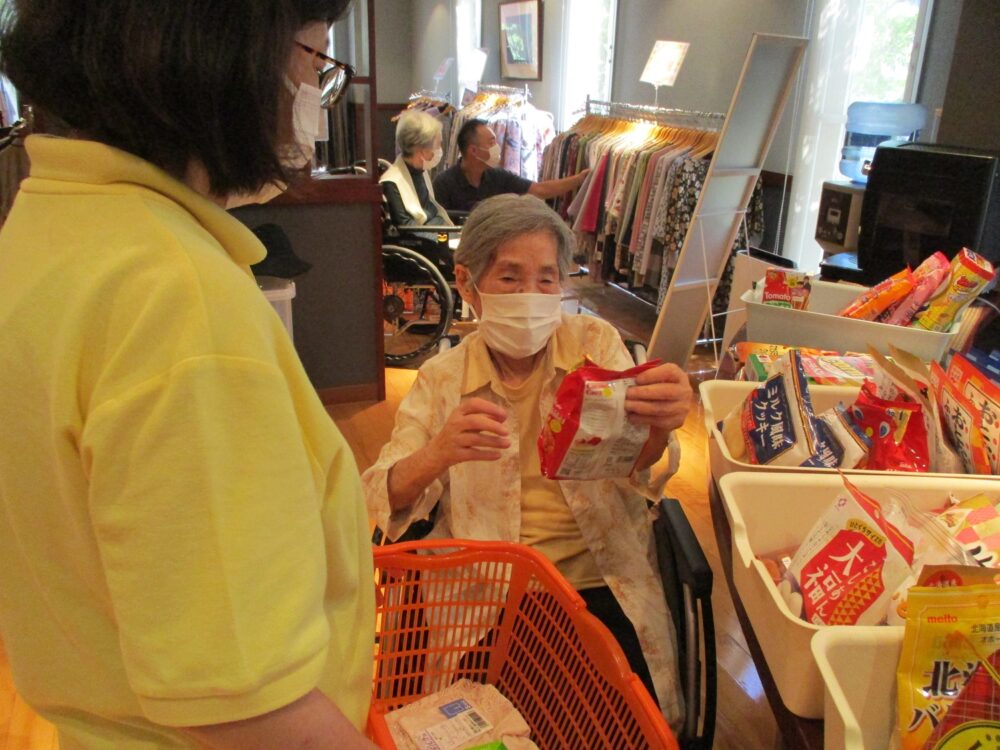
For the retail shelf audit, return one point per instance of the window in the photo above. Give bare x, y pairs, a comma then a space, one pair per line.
468, 40
588, 56
860, 50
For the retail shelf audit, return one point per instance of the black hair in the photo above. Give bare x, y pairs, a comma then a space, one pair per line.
170, 81
467, 133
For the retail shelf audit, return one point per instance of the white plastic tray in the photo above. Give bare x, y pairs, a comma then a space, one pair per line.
859, 675
771, 512
718, 397
820, 327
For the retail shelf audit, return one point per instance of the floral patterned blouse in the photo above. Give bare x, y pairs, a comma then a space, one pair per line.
481, 500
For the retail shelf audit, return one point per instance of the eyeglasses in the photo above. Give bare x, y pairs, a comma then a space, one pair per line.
333, 77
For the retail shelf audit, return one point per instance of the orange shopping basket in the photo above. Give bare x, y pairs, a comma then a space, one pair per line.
501, 614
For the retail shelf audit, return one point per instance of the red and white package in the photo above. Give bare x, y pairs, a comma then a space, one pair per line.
587, 434
896, 429
983, 394
963, 422
851, 562
788, 289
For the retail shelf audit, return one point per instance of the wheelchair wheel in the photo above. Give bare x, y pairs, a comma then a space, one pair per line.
417, 305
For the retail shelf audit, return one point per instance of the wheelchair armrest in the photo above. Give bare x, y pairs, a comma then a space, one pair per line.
425, 228
458, 217
692, 565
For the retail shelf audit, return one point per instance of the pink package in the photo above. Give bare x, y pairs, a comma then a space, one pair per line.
926, 279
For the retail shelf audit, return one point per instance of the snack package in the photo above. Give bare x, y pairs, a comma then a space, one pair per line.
949, 576
943, 457
786, 289
848, 442
927, 280
850, 369
851, 562
587, 434
963, 422
896, 429
742, 350
948, 679
774, 424
983, 394
987, 363
872, 302
970, 273
975, 524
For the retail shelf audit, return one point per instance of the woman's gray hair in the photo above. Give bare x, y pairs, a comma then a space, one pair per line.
503, 217
416, 130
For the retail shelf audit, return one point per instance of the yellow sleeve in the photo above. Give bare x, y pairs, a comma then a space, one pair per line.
205, 505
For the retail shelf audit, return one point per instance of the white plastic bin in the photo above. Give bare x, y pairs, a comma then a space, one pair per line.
772, 512
820, 327
859, 678
718, 397
280, 293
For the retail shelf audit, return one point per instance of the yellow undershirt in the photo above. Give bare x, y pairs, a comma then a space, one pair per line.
547, 523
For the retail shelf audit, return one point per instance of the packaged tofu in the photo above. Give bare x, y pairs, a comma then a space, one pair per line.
851, 562
587, 434
948, 679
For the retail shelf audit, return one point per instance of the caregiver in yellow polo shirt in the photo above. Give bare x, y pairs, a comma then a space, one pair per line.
183, 543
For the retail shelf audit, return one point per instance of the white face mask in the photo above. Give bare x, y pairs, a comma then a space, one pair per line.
494, 158
434, 160
519, 325
308, 119
306, 115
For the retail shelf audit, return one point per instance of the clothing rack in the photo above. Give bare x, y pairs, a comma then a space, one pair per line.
496, 88
661, 115
444, 98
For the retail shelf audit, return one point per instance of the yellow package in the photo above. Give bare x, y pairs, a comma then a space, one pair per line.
948, 680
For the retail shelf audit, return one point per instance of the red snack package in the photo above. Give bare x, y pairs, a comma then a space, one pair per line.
963, 422
896, 429
880, 297
587, 434
786, 289
984, 394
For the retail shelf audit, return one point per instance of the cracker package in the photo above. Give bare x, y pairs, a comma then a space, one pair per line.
774, 424
886, 294
789, 289
948, 679
851, 562
836, 431
963, 422
984, 395
587, 434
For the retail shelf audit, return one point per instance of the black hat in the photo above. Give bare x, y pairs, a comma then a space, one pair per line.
281, 260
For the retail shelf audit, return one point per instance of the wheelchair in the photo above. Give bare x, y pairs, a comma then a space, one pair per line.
419, 299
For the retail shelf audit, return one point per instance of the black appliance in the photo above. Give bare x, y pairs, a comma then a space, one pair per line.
922, 198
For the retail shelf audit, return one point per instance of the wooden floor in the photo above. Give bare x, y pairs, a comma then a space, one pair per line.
744, 719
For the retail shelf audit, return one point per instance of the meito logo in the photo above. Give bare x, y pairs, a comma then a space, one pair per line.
942, 618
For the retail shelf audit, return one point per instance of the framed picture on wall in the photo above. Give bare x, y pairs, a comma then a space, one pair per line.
521, 40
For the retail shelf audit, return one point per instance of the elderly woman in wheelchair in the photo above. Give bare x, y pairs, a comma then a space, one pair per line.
463, 448
407, 184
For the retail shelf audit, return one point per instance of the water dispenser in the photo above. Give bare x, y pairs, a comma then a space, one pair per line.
871, 124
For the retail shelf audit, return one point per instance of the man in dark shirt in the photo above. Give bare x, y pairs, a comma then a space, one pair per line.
478, 176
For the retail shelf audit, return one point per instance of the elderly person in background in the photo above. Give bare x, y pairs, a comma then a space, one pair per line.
406, 184
465, 435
